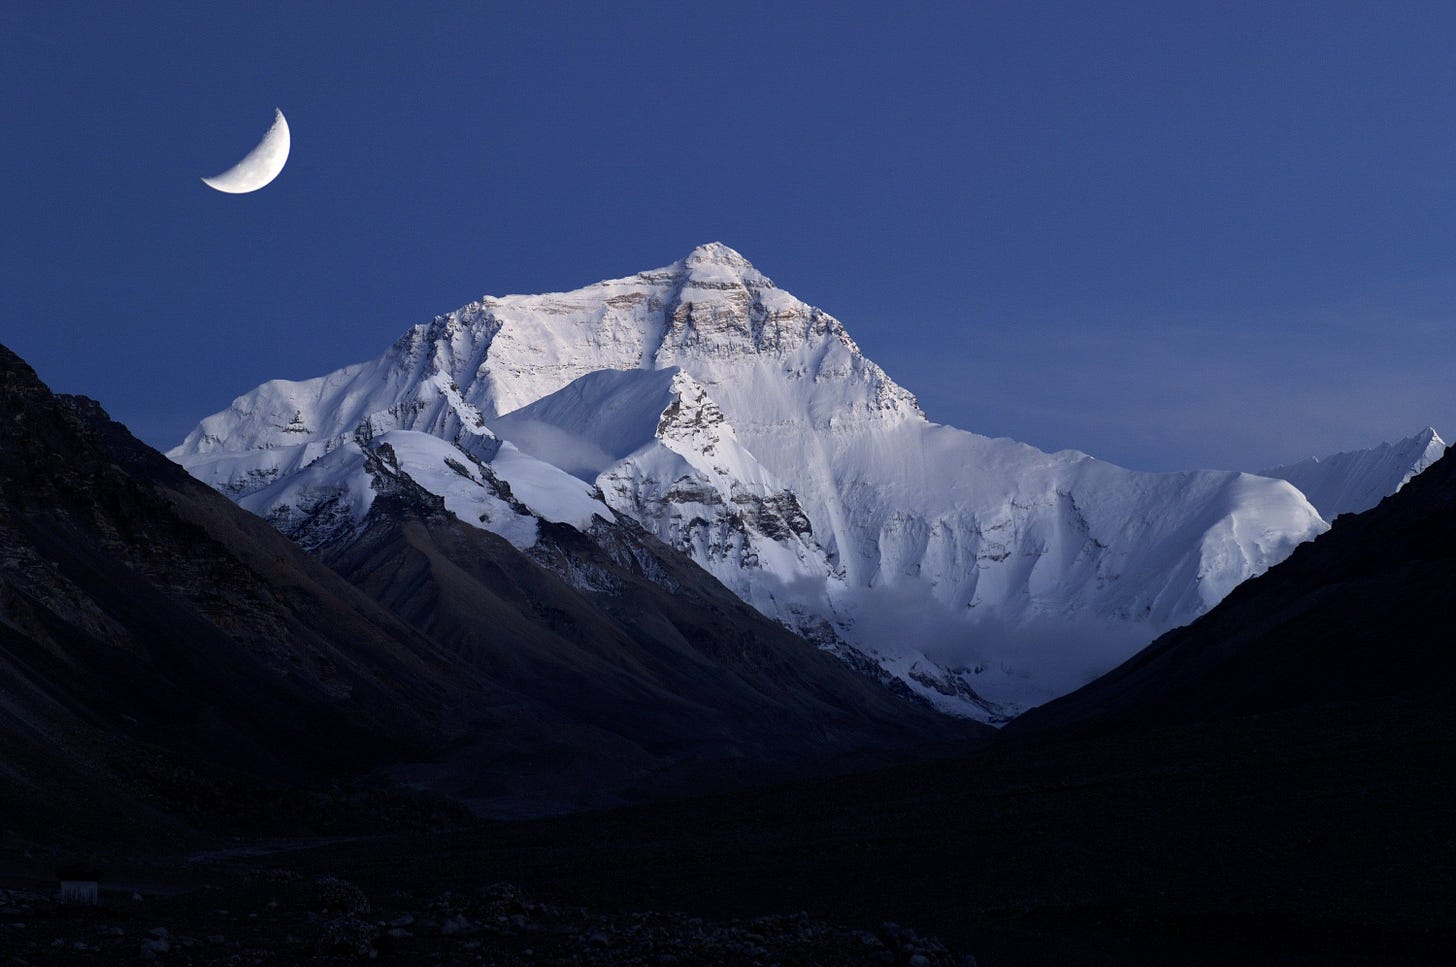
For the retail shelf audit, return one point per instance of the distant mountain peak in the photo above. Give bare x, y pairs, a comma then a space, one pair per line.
716, 253
1356, 480
714, 264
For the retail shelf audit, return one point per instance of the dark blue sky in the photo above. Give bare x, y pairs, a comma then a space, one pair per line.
1172, 235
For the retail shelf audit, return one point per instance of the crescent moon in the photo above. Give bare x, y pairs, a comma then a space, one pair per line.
259, 166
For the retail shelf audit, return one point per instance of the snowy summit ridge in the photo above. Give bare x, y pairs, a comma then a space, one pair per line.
747, 429
1356, 480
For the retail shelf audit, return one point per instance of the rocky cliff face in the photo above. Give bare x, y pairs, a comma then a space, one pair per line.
745, 427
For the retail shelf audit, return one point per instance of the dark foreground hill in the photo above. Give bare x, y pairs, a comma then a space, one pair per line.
158, 646
1291, 838
684, 692
166, 657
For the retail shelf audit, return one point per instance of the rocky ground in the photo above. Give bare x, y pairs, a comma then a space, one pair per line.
1316, 838
277, 916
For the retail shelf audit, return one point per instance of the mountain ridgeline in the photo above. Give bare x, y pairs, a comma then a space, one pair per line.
1356, 480
1364, 613
747, 430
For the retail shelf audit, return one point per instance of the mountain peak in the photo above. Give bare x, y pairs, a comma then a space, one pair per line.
1356, 480
718, 254
1429, 436
716, 263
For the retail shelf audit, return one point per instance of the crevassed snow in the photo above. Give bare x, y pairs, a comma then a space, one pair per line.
748, 429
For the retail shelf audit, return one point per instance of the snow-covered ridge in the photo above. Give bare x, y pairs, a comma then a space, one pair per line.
1356, 480
660, 450
747, 428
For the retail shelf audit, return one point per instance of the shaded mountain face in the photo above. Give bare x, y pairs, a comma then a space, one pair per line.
1363, 613
153, 630
148, 625
1356, 480
745, 428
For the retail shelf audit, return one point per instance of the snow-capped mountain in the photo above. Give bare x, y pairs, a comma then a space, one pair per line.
745, 428
1356, 480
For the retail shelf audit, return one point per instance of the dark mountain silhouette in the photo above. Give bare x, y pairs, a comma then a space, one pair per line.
149, 627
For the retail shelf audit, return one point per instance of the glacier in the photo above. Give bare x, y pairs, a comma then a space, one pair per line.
745, 428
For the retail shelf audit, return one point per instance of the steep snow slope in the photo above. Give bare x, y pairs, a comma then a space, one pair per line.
986, 574
660, 450
1356, 480
331, 496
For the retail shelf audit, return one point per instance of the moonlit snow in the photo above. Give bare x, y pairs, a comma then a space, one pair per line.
747, 429
1347, 483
